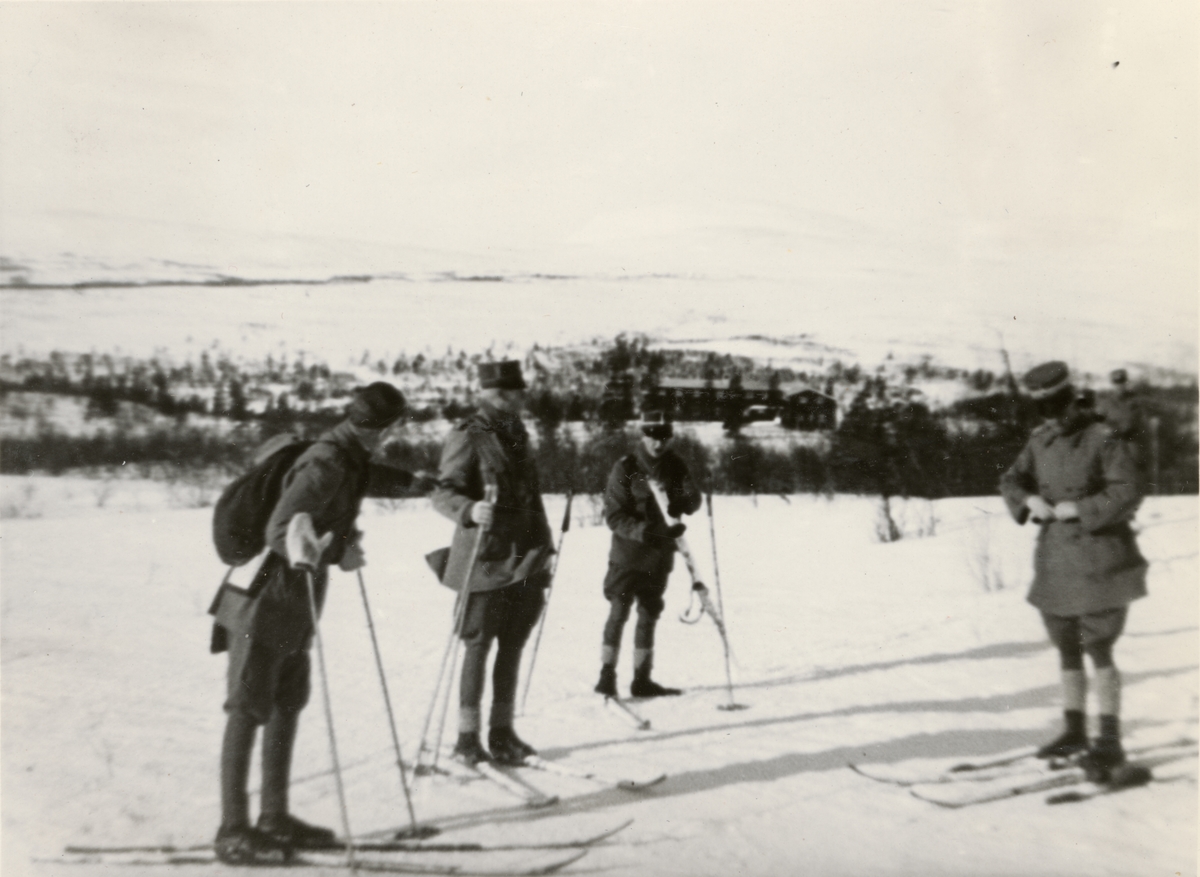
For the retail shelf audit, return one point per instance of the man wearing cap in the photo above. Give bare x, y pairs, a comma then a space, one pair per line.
269, 634
506, 585
1079, 484
1123, 413
643, 550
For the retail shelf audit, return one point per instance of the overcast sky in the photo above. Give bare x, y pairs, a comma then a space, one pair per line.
979, 142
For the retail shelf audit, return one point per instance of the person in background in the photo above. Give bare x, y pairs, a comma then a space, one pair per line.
1077, 481
269, 635
643, 550
1124, 414
506, 585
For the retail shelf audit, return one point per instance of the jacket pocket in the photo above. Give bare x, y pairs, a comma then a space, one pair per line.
1109, 551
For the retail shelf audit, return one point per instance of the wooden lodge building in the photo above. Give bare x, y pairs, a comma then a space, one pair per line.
795, 405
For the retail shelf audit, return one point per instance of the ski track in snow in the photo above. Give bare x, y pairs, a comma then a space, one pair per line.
845, 650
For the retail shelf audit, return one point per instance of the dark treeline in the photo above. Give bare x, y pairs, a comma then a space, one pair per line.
883, 451
887, 442
603, 381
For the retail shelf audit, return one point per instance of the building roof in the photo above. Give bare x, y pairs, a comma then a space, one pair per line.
787, 390
801, 390
701, 384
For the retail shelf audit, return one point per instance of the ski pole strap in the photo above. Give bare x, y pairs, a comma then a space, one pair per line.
696, 604
713, 612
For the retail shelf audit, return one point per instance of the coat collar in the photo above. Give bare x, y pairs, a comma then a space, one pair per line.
651, 465
491, 419
344, 437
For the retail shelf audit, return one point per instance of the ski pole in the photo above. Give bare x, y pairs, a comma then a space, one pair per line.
460, 611
422, 768
698, 591
414, 831
712, 536
681, 543
490, 493
333, 754
562, 535
445, 693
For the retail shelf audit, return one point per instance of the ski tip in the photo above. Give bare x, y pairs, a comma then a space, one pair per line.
537, 802
732, 707
417, 832
639, 785
1067, 798
555, 867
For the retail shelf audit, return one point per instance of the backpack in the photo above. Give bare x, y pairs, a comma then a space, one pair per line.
241, 514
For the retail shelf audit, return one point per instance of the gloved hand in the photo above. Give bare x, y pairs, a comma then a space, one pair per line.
1067, 510
1039, 510
665, 532
304, 547
353, 558
483, 513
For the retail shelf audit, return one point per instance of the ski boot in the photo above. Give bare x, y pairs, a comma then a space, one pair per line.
296, 833
644, 686
1071, 741
1106, 753
1065, 745
243, 845
468, 750
608, 681
507, 748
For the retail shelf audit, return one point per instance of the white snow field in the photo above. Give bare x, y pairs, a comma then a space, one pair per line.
845, 650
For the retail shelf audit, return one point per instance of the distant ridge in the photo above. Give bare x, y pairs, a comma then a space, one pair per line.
216, 281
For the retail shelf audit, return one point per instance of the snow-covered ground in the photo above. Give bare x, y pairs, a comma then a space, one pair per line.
845, 650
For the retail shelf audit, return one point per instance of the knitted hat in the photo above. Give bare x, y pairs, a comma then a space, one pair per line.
655, 425
503, 375
376, 406
1047, 379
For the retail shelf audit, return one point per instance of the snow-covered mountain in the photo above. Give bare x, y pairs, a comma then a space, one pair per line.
769, 284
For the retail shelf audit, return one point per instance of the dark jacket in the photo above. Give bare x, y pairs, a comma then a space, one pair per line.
329, 481
490, 446
1123, 414
633, 515
1091, 564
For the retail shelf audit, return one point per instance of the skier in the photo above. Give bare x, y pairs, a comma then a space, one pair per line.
1079, 482
506, 586
1123, 413
1126, 416
643, 550
268, 628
